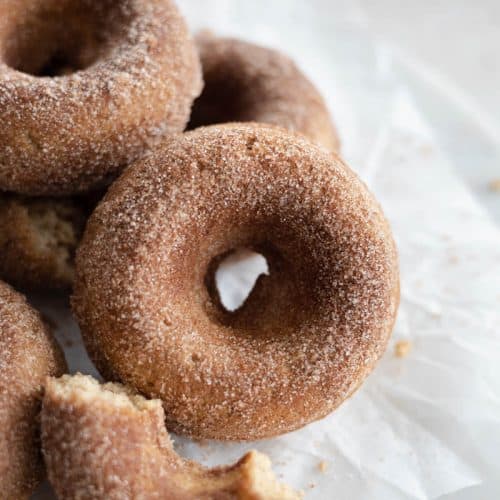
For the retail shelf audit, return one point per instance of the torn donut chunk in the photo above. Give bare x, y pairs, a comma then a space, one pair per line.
106, 442
309, 332
38, 239
28, 355
245, 82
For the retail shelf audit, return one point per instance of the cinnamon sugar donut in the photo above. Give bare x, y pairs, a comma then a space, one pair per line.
106, 442
248, 83
38, 239
307, 335
86, 87
28, 354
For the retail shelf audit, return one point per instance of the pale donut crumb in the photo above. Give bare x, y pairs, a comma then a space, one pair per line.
323, 466
402, 348
494, 185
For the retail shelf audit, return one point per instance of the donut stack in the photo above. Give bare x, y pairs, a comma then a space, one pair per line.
152, 156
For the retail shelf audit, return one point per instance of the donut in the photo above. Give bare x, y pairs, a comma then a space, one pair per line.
307, 335
107, 442
87, 87
248, 83
38, 239
28, 354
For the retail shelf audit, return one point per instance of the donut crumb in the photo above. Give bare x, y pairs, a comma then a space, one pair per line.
323, 466
402, 348
494, 185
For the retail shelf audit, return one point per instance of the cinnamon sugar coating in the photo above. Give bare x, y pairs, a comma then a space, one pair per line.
38, 239
103, 442
28, 354
245, 82
307, 335
87, 87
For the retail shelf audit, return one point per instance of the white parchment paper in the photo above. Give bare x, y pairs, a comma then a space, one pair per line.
426, 425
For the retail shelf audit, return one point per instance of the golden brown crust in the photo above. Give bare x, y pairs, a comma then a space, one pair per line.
248, 83
28, 354
133, 74
38, 239
105, 442
309, 332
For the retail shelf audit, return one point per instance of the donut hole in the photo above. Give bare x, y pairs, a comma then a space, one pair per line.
276, 296
60, 38
223, 99
236, 275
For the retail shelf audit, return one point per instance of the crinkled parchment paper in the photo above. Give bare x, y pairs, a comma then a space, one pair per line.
426, 425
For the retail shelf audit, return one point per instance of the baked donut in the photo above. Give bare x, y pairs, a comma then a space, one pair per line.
107, 442
307, 335
248, 83
86, 87
28, 354
38, 239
